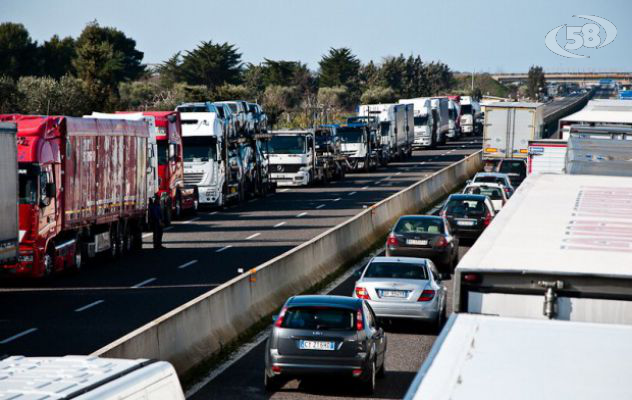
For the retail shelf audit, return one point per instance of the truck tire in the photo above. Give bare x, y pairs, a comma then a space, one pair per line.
48, 263
165, 207
78, 258
178, 209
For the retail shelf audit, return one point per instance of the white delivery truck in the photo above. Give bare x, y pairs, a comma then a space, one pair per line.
599, 113
393, 120
470, 109
509, 126
423, 122
478, 357
87, 378
560, 249
293, 160
9, 194
546, 156
442, 118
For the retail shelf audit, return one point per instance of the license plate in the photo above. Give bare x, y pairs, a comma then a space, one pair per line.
465, 223
394, 293
416, 242
316, 345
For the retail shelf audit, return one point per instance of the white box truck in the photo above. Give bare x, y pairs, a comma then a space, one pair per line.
546, 156
509, 126
442, 117
598, 113
479, 357
395, 121
560, 249
8, 194
423, 122
87, 378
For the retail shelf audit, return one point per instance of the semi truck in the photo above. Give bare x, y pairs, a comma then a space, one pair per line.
83, 190
9, 232
329, 149
560, 249
394, 124
470, 109
424, 128
454, 112
481, 357
509, 126
440, 108
360, 146
598, 113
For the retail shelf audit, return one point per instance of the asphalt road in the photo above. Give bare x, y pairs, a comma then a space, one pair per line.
77, 314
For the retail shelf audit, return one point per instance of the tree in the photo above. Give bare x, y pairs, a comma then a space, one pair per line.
170, 70
393, 73
439, 77
369, 76
212, 65
9, 96
44, 95
340, 68
56, 57
378, 94
276, 100
536, 84
17, 51
231, 92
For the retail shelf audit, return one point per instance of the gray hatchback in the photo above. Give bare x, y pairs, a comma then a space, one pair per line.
325, 335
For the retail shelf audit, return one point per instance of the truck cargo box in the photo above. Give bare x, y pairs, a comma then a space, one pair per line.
8, 194
508, 128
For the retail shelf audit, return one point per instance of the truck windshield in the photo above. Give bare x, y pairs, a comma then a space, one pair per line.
351, 135
197, 109
200, 148
385, 127
466, 109
28, 178
287, 145
421, 121
163, 152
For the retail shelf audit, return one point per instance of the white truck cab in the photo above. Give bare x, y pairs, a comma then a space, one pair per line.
291, 157
423, 121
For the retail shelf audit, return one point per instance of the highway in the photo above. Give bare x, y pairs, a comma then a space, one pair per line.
77, 314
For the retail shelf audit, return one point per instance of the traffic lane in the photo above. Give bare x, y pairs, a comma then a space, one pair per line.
408, 345
197, 261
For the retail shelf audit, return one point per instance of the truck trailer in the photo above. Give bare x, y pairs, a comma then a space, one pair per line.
424, 128
508, 127
83, 190
560, 249
395, 123
9, 235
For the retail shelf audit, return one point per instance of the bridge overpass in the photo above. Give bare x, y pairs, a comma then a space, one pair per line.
581, 78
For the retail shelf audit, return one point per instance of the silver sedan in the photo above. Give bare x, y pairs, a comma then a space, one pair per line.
403, 287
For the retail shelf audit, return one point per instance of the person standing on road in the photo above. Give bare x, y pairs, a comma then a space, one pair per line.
155, 221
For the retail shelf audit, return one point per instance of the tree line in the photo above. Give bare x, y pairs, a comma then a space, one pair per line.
102, 70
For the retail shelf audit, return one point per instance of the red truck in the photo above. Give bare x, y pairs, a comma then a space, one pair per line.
82, 190
175, 197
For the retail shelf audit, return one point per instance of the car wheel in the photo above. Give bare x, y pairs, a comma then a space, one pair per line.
271, 384
382, 371
440, 321
368, 386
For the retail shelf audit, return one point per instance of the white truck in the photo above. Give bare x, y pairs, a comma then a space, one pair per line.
395, 122
442, 118
212, 162
509, 126
9, 231
546, 156
479, 357
293, 159
598, 113
470, 109
359, 145
87, 378
423, 122
560, 249
454, 112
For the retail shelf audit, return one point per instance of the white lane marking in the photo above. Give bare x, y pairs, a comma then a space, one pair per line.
301, 214
147, 235
213, 213
143, 283
224, 248
337, 199
279, 224
462, 145
189, 221
94, 303
166, 229
188, 264
399, 173
320, 206
388, 177
352, 193
17, 336
284, 190
443, 154
365, 188
254, 235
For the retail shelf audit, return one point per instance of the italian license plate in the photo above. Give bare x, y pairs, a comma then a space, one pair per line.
394, 293
416, 242
465, 223
316, 345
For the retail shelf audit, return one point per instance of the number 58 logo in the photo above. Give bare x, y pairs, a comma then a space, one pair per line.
582, 36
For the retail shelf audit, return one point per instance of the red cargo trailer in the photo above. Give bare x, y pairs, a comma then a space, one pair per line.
83, 190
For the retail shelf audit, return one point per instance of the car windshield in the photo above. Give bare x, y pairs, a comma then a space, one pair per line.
287, 144
199, 148
465, 208
393, 270
351, 135
493, 193
421, 121
319, 318
512, 167
28, 177
490, 179
419, 225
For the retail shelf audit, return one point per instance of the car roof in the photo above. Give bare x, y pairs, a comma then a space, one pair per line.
420, 216
404, 260
462, 196
329, 300
495, 174
479, 184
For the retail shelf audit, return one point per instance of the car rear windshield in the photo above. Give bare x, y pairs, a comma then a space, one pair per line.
465, 208
493, 193
395, 270
512, 167
419, 225
319, 318
490, 179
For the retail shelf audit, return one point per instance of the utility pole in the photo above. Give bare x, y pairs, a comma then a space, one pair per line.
473, 79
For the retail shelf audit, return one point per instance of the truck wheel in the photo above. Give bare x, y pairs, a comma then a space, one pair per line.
78, 258
178, 208
128, 240
165, 207
48, 263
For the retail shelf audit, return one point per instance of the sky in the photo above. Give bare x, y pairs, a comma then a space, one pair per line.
490, 36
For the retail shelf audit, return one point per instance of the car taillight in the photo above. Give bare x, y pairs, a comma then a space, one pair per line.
427, 295
472, 278
488, 219
362, 293
441, 242
392, 240
359, 321
279, 320
276, 369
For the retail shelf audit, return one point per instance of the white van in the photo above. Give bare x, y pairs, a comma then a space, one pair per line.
87, 378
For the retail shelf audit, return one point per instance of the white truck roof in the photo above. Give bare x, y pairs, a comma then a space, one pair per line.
565, 224
480, 357
80, 377
514, 104
604, 111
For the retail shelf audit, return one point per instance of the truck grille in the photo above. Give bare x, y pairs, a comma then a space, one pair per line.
193, 178
277, 168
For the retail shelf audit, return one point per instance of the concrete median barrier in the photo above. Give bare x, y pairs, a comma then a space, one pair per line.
201, 327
